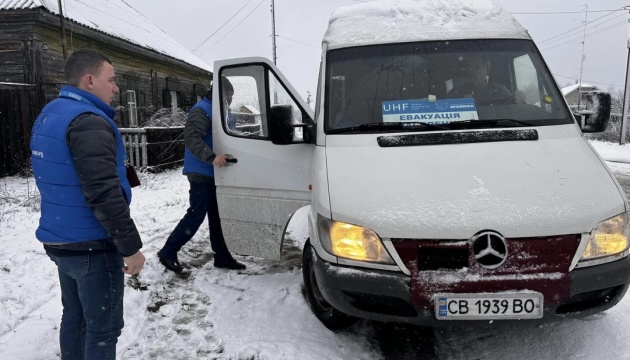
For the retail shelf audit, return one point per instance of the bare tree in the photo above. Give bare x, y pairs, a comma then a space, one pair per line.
616, 95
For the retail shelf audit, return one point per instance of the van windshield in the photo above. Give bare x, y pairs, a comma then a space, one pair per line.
438, 86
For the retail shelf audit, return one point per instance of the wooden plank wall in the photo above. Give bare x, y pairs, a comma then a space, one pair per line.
146, 72
18, 110
31, 53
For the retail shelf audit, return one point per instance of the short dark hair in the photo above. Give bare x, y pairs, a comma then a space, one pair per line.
226, 85
81, 62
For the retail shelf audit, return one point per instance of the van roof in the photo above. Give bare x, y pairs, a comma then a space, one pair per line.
395, 21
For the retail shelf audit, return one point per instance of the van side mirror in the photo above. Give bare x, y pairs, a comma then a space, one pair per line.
280, 125
282, 129
597, 114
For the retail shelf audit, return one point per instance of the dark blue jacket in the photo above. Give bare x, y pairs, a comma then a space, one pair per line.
191, 163
66, 216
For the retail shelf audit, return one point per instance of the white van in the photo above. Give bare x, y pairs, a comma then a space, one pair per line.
446, 176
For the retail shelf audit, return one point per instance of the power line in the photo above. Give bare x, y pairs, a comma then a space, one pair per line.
586, 81
237, 25
299, 42
248, 46
592, 25
579, 39
561, 12
220, 27
580, 27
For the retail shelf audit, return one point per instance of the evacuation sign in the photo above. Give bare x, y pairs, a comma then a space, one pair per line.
432, 112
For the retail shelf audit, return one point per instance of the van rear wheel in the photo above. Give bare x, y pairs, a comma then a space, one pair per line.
326, 313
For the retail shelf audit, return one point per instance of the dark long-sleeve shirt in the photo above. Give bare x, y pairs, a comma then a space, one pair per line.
195, 130
92, 144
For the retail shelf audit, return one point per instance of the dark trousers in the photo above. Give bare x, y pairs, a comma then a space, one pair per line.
203, 200
92, 297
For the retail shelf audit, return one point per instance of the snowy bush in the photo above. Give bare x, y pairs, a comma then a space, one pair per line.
167, 117
612, 132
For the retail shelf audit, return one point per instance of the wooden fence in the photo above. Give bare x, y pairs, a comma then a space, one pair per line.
154, 149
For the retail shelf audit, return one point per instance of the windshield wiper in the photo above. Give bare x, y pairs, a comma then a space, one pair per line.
407, 126
487, 123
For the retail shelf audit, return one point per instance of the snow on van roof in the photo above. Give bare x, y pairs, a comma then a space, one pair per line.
389, 21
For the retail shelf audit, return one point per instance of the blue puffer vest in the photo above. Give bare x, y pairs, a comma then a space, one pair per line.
191, 163
65, 215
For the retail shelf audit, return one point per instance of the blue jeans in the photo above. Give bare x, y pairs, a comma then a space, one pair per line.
92, 286
203, 201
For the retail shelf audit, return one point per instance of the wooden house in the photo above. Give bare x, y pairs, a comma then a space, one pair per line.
149, 64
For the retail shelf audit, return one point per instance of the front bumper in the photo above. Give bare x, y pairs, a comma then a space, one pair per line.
386, 296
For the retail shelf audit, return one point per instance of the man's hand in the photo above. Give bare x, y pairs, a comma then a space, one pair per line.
133, 263
219, 160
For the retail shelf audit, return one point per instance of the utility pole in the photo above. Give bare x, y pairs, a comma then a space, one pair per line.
626, 96
63, 32
582, 59
273, 31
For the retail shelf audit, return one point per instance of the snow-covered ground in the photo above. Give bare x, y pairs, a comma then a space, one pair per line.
259, 313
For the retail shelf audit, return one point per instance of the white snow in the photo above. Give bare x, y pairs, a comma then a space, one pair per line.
568, 89
259, 313
388, 21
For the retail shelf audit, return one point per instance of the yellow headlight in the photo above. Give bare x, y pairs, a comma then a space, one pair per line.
610, 237
352, 242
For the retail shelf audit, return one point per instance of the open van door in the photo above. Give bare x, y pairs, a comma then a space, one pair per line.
266, 129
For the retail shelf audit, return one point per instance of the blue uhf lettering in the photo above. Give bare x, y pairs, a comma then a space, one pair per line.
395, 107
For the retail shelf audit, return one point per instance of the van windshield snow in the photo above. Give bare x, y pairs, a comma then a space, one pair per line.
440, 83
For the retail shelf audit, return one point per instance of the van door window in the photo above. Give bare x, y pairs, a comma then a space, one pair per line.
256, 90
244, 115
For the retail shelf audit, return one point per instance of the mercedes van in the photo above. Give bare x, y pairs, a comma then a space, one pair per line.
447, 177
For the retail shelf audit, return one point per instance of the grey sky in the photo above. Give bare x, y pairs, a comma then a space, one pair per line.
300, 25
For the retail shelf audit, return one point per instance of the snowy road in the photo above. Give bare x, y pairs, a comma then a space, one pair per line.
256, 314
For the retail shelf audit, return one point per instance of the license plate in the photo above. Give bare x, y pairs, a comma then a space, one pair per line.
490, 306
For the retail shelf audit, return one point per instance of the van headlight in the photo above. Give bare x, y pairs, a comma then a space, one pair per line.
608, 238
352, 241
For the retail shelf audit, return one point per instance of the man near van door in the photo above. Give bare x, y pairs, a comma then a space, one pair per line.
199, 162
78, 159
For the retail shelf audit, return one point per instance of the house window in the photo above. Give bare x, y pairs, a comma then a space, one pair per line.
132, 107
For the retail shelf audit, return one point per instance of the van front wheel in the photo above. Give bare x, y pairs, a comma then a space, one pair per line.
326, 313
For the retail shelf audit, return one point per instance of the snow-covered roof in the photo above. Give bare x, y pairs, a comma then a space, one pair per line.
115, 18
569, 89
390, 21
250, 109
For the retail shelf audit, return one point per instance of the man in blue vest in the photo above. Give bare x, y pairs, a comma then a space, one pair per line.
78, 160
199, 162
